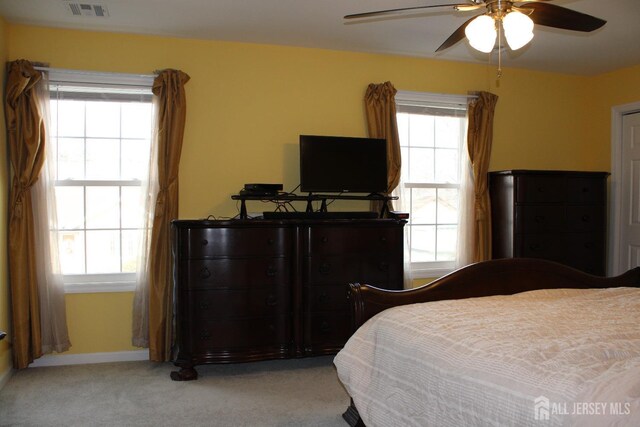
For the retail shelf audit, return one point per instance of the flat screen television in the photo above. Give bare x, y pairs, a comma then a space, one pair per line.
337, 164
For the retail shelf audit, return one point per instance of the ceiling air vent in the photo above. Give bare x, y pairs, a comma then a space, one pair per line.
85, 9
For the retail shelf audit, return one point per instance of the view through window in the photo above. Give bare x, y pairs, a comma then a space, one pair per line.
432, 133
102, 142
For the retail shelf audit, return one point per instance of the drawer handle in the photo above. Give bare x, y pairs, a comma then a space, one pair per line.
586, 218
205, 273
205, 335
324, 327
383, 266
205, 242
272, 301
271, 271
539, 219
324, 268
204, 306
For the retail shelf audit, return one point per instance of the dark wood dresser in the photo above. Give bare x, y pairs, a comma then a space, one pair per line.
554, 215
247, 290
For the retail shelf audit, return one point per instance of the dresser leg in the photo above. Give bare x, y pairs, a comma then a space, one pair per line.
186, 373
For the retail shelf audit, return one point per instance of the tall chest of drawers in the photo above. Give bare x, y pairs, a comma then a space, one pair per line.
554, 215
247, 290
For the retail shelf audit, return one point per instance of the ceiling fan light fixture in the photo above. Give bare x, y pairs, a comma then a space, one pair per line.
518, 29
481, 33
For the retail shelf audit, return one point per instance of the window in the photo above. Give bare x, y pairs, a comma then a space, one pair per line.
432, 131
101, 134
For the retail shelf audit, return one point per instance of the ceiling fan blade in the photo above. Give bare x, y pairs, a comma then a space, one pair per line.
559, 17
401, 10
468, 7
455, 37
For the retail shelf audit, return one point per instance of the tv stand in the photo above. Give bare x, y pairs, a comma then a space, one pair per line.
320, 215
309, 199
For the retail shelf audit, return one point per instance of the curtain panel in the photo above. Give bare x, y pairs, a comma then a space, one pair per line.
53, 315
479, 140
382, 122
37, 302
153, 303
380, 110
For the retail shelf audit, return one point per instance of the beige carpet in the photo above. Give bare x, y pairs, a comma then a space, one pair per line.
301, 392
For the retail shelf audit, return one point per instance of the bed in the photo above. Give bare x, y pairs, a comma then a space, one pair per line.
518, 342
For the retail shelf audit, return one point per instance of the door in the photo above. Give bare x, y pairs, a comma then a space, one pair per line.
629, 249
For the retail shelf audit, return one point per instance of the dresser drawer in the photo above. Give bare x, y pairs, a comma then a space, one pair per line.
355, 240
229, 242
235, 273
540, 189
215, 335
586, 190
342, 270
589, 247
328, 298
539, 218
328, 329
230, 304
547, 246
585, 218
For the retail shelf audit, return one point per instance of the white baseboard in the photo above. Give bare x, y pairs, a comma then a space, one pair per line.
88, 358
5, 376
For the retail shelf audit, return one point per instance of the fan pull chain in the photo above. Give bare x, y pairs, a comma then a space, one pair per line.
499, 73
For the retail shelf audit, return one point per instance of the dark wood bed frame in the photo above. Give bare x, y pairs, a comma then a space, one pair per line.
496, 277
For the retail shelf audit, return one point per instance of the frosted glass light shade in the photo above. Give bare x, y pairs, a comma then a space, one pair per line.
481, 33
518, 29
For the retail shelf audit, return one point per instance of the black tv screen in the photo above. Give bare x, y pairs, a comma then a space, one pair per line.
337, 164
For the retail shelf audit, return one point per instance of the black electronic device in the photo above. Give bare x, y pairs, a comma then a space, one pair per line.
261, 189
336, 164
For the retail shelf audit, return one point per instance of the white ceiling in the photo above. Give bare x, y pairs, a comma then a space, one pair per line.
319, 24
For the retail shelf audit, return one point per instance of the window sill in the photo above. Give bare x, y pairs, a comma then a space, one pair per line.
98, 287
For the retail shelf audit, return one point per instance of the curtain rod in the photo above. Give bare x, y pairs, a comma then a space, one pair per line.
432, 95
63, 70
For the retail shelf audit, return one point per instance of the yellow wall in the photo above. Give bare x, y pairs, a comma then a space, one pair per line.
614, 89
248, 103
100, 322
5, 352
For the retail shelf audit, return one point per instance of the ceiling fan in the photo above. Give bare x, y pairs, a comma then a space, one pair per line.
517, 18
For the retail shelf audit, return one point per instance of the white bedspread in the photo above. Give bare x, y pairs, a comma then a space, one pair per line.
485, 361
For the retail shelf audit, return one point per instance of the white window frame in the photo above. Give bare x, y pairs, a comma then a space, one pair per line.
130, 83
431, 269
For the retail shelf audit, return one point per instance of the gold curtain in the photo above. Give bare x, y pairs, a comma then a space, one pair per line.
380, 109
479, 140
168, 87
26, 141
